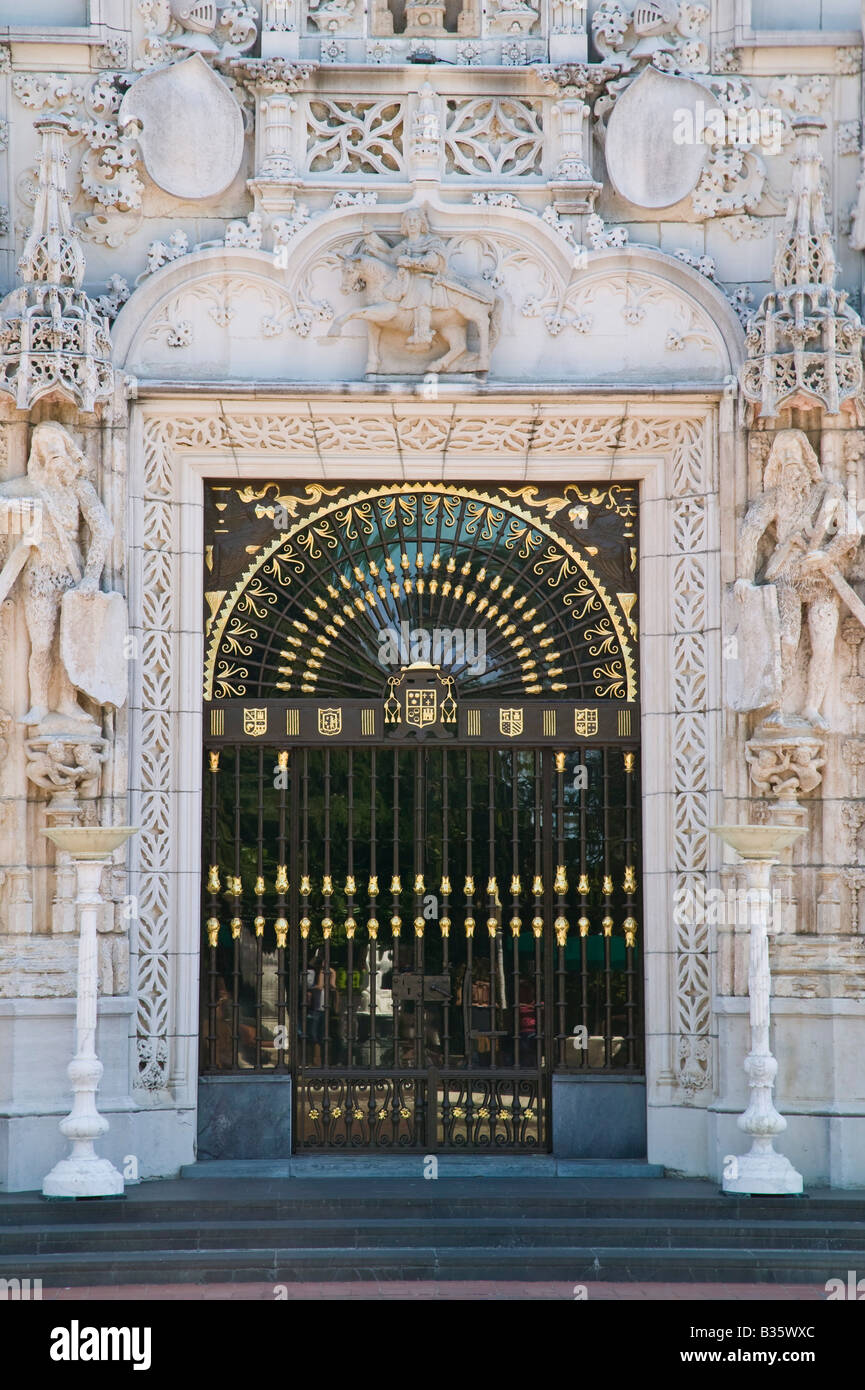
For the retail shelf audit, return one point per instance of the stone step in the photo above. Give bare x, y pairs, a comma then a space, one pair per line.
19, 1242
577, 1263
269, 1201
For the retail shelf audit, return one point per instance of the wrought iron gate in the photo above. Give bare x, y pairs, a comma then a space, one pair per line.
421, 888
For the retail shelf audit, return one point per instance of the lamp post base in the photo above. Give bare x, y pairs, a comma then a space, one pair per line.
83, 1177
763, 1174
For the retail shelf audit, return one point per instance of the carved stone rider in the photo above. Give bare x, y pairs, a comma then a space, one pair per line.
421, 261
815, 535
50, 565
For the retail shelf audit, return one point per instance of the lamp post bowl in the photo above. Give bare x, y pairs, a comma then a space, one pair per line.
90, 841
758, 841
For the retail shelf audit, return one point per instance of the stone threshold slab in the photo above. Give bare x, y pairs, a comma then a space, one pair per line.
403, 1166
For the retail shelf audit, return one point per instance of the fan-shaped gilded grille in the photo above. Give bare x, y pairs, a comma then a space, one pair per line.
312, 590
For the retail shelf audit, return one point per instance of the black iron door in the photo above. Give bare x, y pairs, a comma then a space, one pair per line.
436, 930
421, 820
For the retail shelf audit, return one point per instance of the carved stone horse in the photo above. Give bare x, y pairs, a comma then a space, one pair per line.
364, 272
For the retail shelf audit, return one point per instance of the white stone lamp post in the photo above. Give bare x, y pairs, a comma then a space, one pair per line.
83, 1173
762, 1170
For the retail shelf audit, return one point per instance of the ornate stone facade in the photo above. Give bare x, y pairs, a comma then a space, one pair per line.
348, 241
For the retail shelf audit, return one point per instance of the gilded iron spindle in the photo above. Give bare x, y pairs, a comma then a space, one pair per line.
305, 890
419, 809
515, 923
445, 920
326, 923
560, 888
493, 908
233, 888
280, 925
537, 918
419, 832
630, 925
395, 918
607, 920
583, 923
469, 889
372, 920
258, 921
213, 918
350, 923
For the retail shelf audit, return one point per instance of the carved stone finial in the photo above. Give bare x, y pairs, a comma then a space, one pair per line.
804, 345
53, 338
52, 253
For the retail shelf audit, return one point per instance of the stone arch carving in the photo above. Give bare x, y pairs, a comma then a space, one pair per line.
566, 315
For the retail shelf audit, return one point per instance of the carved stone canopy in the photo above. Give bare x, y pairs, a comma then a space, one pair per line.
53, 338
804, 345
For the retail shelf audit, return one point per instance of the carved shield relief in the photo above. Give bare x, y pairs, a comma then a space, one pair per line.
93, 629
653, 150
192, 128
752, 649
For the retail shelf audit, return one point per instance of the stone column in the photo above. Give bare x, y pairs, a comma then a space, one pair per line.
761, 1170
278, 141
83, 1173
572, 188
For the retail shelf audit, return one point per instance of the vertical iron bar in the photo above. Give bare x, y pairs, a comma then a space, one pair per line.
541, 1047
288, 1001
492, 911
515, 908
583, 924
445, 920
236, 925
549, 938
469, 918
305, 889
350, 922
259, 919
630, 924
213, 918
372, 921
561, 925
608, 919
281, 886
326, 922
395, 919
419, 798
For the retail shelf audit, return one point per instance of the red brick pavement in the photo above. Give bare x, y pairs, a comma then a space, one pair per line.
450, 1290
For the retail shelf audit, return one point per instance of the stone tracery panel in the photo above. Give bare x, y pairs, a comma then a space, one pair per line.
354, 137
493, 137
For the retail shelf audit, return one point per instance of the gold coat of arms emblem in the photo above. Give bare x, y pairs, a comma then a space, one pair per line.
511, 722
420, 707
585, 722
255, 722
330, 721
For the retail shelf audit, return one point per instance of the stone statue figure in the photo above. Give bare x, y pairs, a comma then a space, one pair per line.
814, 533
415, 294
60, 586
420, 258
